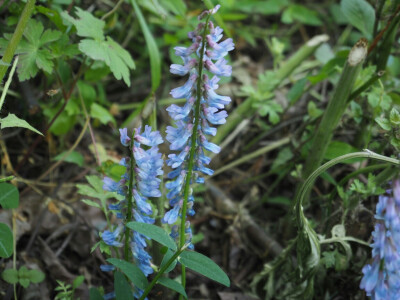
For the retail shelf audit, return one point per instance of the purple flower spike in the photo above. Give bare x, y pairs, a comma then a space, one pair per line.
188, 136
381, 278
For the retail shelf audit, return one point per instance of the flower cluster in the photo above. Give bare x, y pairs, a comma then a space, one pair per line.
148, 167
381, 278
194, 120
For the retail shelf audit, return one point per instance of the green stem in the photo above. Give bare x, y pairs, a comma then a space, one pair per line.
14, 223
193, 147
246, 108
160, 273
252, 155
129, 199
13, 43
336, 108
7, 85
365, 86
307, 185
6, 179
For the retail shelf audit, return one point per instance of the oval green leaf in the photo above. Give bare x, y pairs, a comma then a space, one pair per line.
173, 285
153, 232
204, 265
134, 274
9, 196
6, 241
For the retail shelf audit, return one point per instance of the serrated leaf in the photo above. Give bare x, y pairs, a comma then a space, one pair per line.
394, 117
35, 276
91, 203
9, 196
132, 271
6, 241
73, 157
96, 182
123, 290
360, 14
153, 232
102, 114
384, 123
10, 276
33, 54
173, 285
204, 265
86, 25
13, 121
86, 190
155, 59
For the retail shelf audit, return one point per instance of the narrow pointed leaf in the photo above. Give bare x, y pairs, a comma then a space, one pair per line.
153, 232
204, 265
173, 285
134, 274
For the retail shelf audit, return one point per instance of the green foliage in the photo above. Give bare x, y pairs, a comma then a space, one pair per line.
6, 241
155, 59
203, 265
122, 287
302, 14
100, 47
13, 121
66, 291
34, 50
23, 276
173, 285
391, 125
9, 196
153, 232
360, 14
134, 274
73, 157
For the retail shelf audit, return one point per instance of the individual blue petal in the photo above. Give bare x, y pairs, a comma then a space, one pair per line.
148, 137
178, 113
209, 146
185, 90
183, 70
109, 296
215, 100
110, 237
125, 139
174, 161
183, 51
214, 116
172, 215
107, 268
110, 185
178, 136
220, 68
141, 203
142, 218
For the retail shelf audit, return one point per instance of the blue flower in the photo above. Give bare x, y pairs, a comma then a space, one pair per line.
147, 166
381, 278
125, 139
211, 111
110, 237
107, 268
